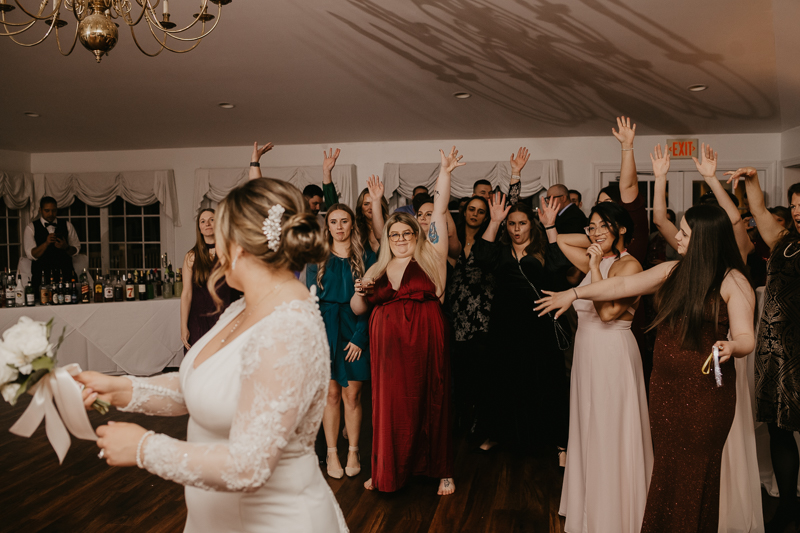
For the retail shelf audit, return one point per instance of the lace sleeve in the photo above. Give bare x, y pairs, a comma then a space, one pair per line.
285, 370
158, 395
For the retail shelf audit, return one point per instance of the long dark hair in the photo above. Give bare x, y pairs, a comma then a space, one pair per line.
790, 235
612, 190
538, 243
615, 217
361, 220
203, 262
461, 225
696, 279
356, 253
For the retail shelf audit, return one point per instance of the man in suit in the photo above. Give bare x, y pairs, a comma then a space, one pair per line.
50, 243
570, 218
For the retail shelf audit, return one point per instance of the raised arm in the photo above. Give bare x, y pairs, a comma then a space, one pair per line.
279, 384
375, 188
498, 211
255, 159
646, 282
548, 212
768, 227
666, 228
628, 180
574, 246
707, 167
518, 162
453, 244
441, 198
328, 188
740, 300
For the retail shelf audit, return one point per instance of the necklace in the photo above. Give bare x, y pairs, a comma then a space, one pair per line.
469, 244
244, 317
787, 249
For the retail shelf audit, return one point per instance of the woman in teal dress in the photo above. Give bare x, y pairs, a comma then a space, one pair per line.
348, 335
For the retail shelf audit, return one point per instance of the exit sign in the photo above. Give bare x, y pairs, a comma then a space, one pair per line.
683, 148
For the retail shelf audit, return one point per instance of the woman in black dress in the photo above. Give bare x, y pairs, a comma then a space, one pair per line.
527, 392
199, 313
777, 364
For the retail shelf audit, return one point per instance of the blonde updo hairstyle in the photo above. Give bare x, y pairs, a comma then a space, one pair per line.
240, 217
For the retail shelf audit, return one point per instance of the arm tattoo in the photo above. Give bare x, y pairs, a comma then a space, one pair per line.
433, 235
436, 193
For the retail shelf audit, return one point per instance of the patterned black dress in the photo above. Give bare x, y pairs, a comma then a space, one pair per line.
777, 364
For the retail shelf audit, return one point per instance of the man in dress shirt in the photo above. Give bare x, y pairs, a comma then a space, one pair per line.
50, 243
409, 209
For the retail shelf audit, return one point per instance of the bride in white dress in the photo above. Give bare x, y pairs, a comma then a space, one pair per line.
254, 386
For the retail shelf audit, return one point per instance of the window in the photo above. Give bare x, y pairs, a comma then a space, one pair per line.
118, 238
10, 248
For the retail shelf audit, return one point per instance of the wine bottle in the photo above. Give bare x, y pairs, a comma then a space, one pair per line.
85, 290
142, 286
67, 292
151, 285
8, 280
108, 290
119, 290
61, 290
75, 289
44, 292
98, 289
30, 297
19, 292
53, 289
178, 287
130, 292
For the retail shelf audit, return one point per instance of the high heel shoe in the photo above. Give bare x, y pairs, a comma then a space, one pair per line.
335, 474
353, 472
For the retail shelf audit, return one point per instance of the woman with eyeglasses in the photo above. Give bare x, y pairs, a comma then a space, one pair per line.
610, 451
410, 365
701, 299
527, 390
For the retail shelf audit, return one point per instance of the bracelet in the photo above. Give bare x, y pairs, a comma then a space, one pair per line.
576, 293
139, 462
255, 164
515, 175
627, 149
549, 227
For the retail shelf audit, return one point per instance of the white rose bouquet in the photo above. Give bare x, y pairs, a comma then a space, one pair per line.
26, 356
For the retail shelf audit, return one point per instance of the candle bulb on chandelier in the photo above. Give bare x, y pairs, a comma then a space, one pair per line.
166, 7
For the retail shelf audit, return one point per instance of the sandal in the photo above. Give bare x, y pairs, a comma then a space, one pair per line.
353, 472
335, 474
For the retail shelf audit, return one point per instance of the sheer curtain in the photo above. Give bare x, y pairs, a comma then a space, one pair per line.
100, 189
401, 178
17, 191
213, 184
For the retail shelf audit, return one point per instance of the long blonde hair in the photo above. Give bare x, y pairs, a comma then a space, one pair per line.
364, 225
424, 253
356, 253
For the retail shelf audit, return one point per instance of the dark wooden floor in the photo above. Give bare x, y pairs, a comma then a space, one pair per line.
500, 492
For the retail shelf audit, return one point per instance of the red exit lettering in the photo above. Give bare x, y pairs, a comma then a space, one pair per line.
682, 148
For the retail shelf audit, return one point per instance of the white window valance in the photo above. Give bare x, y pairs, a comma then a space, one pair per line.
401, 178
215, 183
17, 190
100, 189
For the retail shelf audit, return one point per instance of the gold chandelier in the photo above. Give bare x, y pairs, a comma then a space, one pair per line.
95, 26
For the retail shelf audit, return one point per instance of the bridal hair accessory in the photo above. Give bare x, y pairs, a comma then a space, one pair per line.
272, 227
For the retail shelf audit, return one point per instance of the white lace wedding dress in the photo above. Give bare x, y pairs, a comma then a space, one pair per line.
255, 408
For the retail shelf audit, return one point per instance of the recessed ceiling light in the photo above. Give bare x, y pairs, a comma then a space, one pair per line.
462, 95
697, 88
32, 115
226, 105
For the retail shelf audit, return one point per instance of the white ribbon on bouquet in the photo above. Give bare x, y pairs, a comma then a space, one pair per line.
71, 412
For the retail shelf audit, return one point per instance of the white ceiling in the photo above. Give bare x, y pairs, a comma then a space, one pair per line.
319, 71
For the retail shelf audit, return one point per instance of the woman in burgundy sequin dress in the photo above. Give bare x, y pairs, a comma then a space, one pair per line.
409, 351
698, 298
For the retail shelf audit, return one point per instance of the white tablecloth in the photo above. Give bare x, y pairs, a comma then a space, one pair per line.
139, 338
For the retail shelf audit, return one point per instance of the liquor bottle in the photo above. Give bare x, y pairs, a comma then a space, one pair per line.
8, 281
61, 290
119, 290
44, 292
3, 289
159, 284
108, 290
67, 292
53, 288
85, 290
167, 287
19, 293
75, 290
151, 286
98, 289
130, 292
30, 297
142, 286
178, 287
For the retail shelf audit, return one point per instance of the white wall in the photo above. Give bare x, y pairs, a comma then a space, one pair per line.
14, 161
577, 154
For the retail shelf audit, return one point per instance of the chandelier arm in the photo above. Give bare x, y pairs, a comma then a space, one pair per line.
126, 16
11, 33
41, 9
142, 50
181, 30
74, 41
79, 14
164, 43
203, 32
29, 45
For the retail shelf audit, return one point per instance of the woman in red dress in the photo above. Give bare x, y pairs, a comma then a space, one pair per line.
408, 345
698, 299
